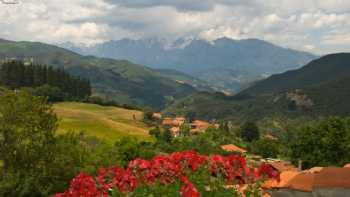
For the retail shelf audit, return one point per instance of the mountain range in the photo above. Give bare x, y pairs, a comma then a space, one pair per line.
225, 64
320, 88
118, 80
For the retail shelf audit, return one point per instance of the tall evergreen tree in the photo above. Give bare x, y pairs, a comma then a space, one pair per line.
15, 75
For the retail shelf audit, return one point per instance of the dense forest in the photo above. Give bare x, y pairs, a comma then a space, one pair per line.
47, 81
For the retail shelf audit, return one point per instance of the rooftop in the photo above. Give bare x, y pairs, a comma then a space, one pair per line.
314, 178
233, 148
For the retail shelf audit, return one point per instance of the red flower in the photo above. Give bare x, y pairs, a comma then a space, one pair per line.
82, 185
188, 190
167, 169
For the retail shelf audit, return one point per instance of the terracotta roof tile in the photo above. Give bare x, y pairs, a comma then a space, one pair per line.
285, 177
308, 180
333, 177
347, 165
302, 181
283, 166
233, 148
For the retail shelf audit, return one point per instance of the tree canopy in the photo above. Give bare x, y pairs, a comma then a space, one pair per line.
324, 143
15, 75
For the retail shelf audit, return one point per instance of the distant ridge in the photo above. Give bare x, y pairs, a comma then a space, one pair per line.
224, 63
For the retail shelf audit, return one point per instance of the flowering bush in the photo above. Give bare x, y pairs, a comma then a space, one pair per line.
186, 174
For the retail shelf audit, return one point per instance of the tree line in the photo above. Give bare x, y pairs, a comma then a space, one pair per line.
55, 82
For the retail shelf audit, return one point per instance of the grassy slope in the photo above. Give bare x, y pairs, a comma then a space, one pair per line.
108, 123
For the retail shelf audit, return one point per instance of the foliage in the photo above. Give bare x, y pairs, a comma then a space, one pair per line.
322, 143
35, 161
16, 75
250, 131
156, 133
267, 148
208, 142
52, 93
27, 142
185, 130
105, 102
129, 148
148, 115
186, 173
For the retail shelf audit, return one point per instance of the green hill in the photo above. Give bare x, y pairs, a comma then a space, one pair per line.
320, 88
109, 123
320, 71
119, 80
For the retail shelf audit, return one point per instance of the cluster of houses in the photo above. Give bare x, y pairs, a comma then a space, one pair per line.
175, 124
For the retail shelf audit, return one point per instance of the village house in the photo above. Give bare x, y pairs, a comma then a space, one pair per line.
199, 126
173, 122
174, 125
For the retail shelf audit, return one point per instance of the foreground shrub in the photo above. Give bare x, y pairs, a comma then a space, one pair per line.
322, 143
186, 174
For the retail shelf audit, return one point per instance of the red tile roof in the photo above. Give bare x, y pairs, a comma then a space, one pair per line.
302, 182
333, 177
233, 148
347, 165
283, 166
285, 177
167, 121
308, 180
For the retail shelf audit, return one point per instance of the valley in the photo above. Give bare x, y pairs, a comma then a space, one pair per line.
304, 92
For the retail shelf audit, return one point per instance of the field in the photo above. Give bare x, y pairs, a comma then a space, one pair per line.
109, 123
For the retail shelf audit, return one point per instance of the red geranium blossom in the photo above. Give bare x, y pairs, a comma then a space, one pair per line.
167, 169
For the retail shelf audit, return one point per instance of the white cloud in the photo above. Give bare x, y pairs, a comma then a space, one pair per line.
319, 26
337, 39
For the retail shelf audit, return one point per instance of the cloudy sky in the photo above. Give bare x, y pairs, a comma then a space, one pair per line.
318, 26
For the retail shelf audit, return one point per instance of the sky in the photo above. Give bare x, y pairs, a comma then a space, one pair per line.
317, 26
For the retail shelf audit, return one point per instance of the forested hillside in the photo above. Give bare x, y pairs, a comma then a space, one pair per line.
317, 73
15, 75
121, 81
321, 88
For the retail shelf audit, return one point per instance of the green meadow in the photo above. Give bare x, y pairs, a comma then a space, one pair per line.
109, 123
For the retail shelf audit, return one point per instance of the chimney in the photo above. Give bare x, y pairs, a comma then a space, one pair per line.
300, 165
